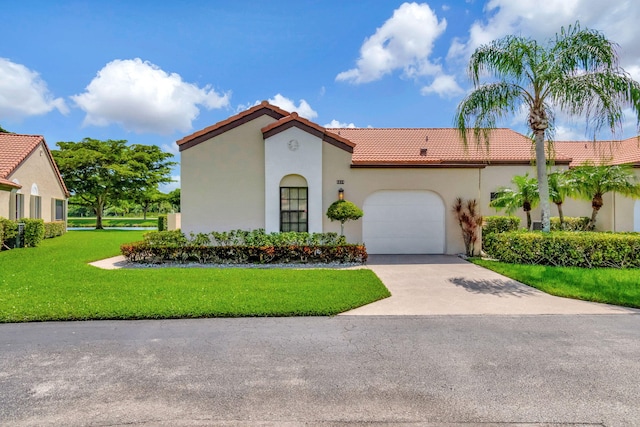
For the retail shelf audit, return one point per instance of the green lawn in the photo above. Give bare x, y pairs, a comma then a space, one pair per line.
606, 285
112, 222
54, 282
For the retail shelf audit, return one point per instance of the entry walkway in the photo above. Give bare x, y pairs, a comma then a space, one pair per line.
446, 285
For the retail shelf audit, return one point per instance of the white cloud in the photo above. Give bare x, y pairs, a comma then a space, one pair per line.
141, 97
405, 41
616, 19
303, 108
171, 148
23, 93
443, 85
337, 124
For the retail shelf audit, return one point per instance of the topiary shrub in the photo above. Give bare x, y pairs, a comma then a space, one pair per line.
493, 225
568, 249
343, 211
163, 223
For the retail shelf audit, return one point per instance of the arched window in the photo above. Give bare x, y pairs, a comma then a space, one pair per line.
294, 196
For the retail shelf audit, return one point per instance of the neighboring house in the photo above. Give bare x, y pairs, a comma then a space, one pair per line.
30, 183
268, 168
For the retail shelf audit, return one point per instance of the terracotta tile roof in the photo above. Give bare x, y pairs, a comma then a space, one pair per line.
404, 146
626, 151
263, 108
14, 149
294, 120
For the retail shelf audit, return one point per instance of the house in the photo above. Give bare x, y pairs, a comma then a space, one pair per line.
268, 168
30, 183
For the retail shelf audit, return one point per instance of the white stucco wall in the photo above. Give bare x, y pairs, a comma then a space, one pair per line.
284, 157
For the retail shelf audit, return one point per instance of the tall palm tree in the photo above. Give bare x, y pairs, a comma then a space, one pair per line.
593, 182
525, 196
577, 72
560, 187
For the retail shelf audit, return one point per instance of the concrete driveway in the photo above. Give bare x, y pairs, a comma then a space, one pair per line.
448, 285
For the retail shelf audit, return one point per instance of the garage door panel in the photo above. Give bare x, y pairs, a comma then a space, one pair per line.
409, 222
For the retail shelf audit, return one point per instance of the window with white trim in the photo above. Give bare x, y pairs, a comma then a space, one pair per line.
293, 209
35, 207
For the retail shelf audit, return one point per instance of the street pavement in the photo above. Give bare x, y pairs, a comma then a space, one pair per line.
499, 370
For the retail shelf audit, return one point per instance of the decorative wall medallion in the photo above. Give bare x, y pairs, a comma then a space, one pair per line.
293, 145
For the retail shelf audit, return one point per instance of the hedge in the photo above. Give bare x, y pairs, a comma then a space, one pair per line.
163, 223
567, 249
240, 247
570, 223
500, 224
34, 231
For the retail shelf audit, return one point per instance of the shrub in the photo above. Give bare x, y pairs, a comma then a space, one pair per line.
500, 224
238, 246
162, 222
9, 233
470, 222
343, 211
571, 223
54, 229
568, 249
33, 232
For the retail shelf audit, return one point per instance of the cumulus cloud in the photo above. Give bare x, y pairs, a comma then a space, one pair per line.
338, 124
443, 85
303, 108
23, 93
141, 97
405, 41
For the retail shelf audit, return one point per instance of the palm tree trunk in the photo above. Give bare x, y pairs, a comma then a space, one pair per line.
528, 220
543, 181
596, 204
561, 215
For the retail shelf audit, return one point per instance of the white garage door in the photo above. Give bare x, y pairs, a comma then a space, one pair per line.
403, 222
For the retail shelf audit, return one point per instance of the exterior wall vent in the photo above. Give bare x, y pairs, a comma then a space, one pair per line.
423, 151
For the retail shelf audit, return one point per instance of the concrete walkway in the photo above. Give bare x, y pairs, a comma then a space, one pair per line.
448, 285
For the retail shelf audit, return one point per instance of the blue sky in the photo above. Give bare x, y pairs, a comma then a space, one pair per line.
154, 71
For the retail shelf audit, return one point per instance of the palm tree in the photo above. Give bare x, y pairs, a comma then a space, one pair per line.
559, 189
577, 72
525, 196
593, 182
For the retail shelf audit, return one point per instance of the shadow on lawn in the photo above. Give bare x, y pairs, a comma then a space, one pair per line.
497, 287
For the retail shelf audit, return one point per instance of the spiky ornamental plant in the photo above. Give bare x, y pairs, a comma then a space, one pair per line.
577, 72
470, 222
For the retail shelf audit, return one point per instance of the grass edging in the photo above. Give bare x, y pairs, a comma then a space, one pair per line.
604, 285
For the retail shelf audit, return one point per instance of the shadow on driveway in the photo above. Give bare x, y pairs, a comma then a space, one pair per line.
496, 287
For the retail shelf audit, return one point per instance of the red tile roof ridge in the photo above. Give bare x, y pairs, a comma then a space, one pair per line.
295, 117
229, 120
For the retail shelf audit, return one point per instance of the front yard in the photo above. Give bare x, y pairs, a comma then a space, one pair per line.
605, 285
54, 282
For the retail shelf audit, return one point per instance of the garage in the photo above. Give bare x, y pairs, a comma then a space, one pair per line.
404, 222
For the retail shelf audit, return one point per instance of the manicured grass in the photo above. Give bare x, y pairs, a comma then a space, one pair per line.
606, 285
54, 282
112, 222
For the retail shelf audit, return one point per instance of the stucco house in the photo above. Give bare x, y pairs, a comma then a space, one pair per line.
30, 183
268, 168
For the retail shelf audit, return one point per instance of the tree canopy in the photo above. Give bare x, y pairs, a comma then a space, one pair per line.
99, 173
343, 211
577, 72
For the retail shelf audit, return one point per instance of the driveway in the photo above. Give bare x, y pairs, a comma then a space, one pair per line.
446, 284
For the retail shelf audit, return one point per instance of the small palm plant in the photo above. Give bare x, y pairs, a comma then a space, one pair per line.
560, 188
593, 182
526, 196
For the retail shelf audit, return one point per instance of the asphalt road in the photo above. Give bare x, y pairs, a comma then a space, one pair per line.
429, 370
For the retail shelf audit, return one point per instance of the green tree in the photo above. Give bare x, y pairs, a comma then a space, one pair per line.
577, 72
3, 130
559, 189
174, 198
99, 173
343, 211
149, 197
525, 196
593, 182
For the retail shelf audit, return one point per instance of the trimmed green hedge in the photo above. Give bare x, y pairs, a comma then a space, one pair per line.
34, 231
500, 224
239, 247
163, 223
570, 223
567, 249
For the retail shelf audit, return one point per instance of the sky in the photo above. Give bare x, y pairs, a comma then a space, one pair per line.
152, 72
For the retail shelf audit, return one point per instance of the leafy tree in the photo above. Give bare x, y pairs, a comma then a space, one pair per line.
593, 182
577, 72
525, 196
470, 222
559, 189
149, 197
343, 211
174, 199
99, 173
3, 130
